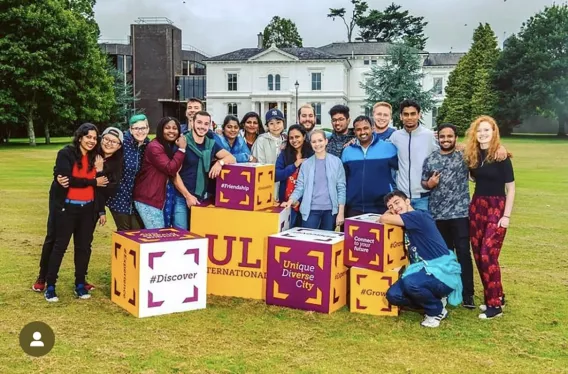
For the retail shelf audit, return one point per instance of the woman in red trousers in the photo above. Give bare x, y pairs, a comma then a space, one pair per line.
490, 208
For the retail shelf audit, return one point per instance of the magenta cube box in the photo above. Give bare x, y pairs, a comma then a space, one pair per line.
372, 245
305, 270
245, 186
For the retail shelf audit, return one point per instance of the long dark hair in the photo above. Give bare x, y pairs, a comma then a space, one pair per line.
83, 130
228, 119
250, 115
290, 152
168, 146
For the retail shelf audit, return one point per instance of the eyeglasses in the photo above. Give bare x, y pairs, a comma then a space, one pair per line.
335, 120
114, 143
139, 129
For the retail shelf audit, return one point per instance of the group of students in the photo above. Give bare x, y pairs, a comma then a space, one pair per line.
409, 176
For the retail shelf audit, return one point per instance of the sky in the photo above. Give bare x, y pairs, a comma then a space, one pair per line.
220, 26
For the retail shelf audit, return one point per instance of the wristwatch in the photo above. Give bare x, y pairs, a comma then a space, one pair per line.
222, 163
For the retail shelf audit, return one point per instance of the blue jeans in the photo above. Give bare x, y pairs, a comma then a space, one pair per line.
419, 290
420, 203
153, 218
320, 219
180, 212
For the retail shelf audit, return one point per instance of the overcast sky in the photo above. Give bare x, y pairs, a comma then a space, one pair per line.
221, 26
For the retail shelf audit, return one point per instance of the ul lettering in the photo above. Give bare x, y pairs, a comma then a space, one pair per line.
229, 242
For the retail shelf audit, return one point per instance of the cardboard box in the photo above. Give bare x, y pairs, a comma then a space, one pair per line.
306, 270
372, 245
368, 291
246, 186
158, 271
238, 242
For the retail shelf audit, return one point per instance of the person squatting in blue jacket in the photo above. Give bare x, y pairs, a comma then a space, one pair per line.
368, 168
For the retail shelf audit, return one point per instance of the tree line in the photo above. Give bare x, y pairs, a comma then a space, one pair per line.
54, 74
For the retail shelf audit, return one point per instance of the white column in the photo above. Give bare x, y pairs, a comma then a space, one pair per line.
262, 111
253, 106
279, 103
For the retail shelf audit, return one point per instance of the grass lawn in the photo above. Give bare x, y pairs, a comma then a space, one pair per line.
238, 336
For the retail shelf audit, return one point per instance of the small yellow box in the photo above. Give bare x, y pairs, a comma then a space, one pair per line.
368, 290
246, 186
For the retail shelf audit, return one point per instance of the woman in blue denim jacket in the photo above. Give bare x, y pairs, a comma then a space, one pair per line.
321, 186
231, 141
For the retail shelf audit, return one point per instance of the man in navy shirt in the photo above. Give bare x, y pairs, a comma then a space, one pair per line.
433, 273
204, 159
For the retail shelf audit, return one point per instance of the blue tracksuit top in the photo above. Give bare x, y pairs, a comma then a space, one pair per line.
369, 175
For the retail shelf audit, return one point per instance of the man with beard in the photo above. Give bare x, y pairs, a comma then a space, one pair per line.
194, 105
368, 169
382, 114
342, 135
414, 143
445, 175
203, 160
307, 118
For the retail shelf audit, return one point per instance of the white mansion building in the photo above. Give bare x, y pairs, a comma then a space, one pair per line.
258, 79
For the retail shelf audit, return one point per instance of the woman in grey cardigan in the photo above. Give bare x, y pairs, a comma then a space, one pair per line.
321, 185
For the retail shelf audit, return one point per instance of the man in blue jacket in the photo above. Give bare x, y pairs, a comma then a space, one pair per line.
433, 276
368, 168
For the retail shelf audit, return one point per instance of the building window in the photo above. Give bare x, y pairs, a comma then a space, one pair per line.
369, 112
373, 62
128, 69
232, 109
317, 110
438, 86
232, 81
316, 81
365, 62
277, 82
270, 82
434, 116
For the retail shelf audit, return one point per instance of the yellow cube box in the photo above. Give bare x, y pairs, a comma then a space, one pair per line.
245, 186
238, 242
368, 290
158, 271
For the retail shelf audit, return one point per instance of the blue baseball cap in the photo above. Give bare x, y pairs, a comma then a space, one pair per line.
274, 114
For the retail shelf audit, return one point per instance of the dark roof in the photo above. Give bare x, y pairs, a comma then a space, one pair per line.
358, 48
307, 53
443, 59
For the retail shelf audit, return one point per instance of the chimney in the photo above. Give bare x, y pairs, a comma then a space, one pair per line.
259, 43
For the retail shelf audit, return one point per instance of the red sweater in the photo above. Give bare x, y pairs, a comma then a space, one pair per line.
85, 193
157, 168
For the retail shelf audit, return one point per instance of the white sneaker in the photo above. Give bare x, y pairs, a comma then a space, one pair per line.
483, 307
434, 321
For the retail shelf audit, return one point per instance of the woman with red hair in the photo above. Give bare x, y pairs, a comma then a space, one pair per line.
490, 208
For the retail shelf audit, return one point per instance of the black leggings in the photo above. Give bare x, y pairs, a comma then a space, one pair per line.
77, 221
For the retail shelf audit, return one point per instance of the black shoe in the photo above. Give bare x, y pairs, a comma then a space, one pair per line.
491, 312
468, 302
483, 307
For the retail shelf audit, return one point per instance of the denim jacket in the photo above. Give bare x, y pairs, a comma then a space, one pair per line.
239, 149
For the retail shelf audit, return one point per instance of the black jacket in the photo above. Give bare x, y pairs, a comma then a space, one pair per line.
66, 158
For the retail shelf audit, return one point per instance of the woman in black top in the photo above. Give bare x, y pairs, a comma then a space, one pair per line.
490, 208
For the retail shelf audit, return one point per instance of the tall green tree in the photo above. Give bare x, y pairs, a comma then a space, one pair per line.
124, 100
398, 79
393, 25
470, 92
359, 9
52, 65
532, 73
282, 32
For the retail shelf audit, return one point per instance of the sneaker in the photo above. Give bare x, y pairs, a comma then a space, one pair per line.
491, 313
483, 307
50, 295
89, 287
468, 302
434, 321
39, 285
81, 292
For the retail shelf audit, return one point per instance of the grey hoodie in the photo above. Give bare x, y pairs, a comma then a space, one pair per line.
266, 149
413, 148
